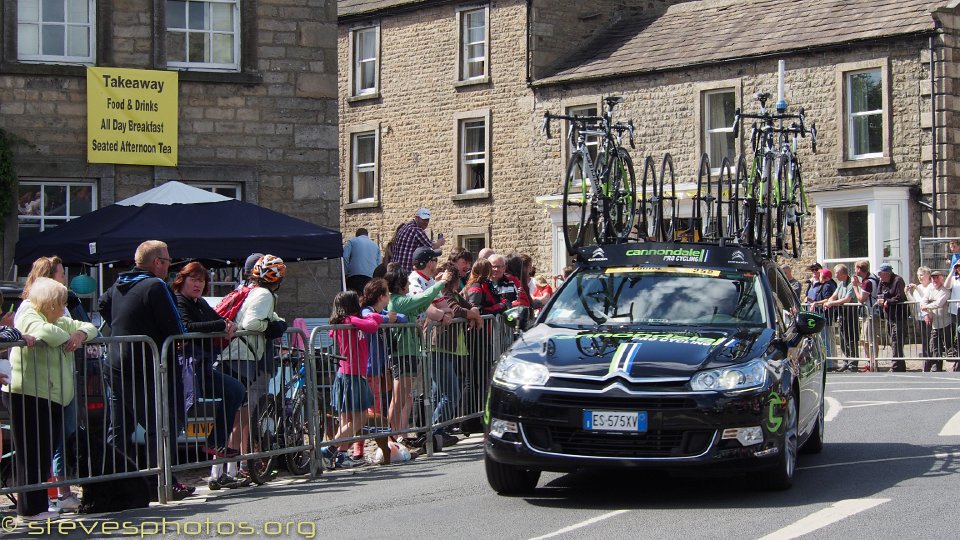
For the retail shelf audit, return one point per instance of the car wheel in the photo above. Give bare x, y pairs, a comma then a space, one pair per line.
814, 444
509, 480
780, 476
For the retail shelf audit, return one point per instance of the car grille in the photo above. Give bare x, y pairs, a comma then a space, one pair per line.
630, 403
665, 443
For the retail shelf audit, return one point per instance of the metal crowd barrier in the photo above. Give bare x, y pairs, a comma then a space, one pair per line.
81, 441
163, 425
855, 333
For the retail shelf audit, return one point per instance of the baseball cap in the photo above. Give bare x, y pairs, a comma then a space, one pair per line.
826, 273
885, 268
251, 260
422, 255
423, 213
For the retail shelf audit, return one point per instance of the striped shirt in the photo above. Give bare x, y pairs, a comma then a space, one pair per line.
408, 239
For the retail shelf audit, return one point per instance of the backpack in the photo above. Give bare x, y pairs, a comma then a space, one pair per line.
874, 293
230, 304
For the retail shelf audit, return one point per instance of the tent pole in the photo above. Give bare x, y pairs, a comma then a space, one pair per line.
343, 275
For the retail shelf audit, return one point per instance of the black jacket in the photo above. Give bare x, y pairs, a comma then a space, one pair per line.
139, 303
198, 316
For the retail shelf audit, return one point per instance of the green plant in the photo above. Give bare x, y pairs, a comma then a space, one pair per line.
8, 175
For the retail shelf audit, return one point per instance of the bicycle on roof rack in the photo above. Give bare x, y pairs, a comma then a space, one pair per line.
771, 201
600, 190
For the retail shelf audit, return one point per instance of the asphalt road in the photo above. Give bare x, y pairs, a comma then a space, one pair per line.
888, 471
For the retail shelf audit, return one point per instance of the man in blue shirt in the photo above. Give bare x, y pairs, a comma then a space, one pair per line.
360, 256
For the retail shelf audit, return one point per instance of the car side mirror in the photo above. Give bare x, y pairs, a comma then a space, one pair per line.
809, 323
517, 317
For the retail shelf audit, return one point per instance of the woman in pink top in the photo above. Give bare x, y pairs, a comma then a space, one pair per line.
351, 393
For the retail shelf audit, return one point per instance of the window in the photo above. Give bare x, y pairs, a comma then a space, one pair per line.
56, 31
473, 44
363, 167
863, 223
473, 155
473, 244
366, 44
865, 117
864, 113
42, 205
718, 116
233, 191
203, 34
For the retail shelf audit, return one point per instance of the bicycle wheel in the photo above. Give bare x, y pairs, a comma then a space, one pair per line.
669, 227
297, 433
764, 210
701, 226
649, 201
800, 200
725, 189
576, 201
738, 225
620, 212
782, 206
263, 438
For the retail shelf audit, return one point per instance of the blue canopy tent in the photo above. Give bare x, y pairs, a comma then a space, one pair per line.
195, 224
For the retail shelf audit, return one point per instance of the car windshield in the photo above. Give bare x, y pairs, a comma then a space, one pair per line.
660, 296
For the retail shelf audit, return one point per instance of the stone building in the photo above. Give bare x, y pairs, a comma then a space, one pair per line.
257, 110
441, 104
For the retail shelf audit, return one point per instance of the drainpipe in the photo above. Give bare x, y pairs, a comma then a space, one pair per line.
530, 42
933, 134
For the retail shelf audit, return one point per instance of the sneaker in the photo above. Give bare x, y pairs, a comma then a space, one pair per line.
181, 492
228, 482
448, 440
346, 462
42, 516
328, 458
69, 503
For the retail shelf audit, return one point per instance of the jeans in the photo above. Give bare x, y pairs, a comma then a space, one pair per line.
214, 384
60, 439
444, 387
897, 328
134, 401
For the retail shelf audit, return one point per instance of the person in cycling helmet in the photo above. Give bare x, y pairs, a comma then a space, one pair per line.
248, 357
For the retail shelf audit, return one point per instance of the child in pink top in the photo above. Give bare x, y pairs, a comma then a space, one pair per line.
351, 393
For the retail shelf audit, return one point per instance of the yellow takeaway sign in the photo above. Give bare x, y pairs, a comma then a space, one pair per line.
132, 116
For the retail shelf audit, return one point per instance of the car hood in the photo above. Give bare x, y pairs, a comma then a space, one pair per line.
640, 352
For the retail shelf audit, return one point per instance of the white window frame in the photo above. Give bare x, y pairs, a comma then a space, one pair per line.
852, 115
90, 25
42, 219
463, 58
350, 169
463, 162
218, 188
876, 199
209, 66
846, 158
357, 62
357, 168
701, 117
708, 130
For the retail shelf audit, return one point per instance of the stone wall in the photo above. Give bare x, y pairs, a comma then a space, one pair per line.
271, 128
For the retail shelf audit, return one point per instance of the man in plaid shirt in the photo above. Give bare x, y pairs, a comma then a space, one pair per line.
410, 237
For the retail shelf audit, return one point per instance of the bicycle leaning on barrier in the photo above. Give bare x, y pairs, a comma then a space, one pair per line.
602, 191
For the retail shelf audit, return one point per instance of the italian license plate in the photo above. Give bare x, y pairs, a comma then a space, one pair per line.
199, 429
615, 421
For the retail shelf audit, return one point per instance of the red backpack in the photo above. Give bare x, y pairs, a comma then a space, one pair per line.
230, 304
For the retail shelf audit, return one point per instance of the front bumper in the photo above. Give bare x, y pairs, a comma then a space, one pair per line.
685, 430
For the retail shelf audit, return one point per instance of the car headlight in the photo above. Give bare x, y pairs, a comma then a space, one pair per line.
512, 373
740, 377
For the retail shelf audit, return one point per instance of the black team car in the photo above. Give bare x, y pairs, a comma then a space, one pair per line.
667, 356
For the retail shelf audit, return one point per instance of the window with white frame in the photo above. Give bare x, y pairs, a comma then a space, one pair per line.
473, 155
365, 47
592, 142
473, 43
203, 35
363, 167
863, 223
864, 106
56, 31
719, 107
44, 204
473, 243
234, 191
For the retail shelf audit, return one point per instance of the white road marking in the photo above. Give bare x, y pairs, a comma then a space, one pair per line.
833, 409
892, 389
874, 403
938, 455
576, 526
817, 520
952, 427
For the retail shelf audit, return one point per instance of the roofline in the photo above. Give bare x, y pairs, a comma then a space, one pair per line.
410, 5
560, 80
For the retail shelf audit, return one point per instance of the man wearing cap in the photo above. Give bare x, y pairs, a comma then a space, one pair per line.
361, 255
247, 268
891, 298
411, 236
814, 281
821, 294
424, 270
